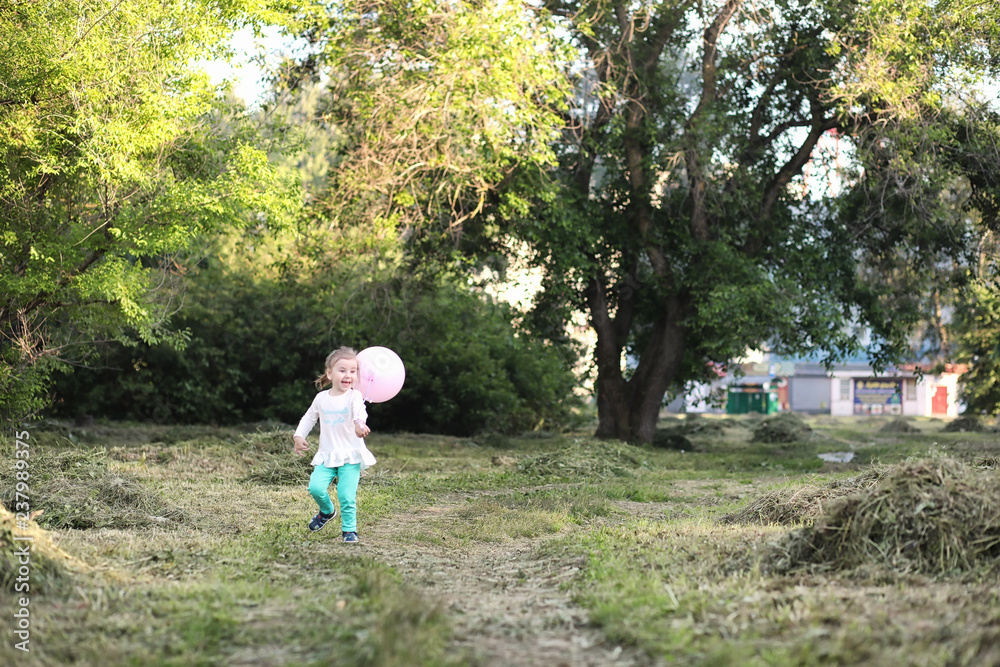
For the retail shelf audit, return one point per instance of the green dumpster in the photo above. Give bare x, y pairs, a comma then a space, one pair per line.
744, 398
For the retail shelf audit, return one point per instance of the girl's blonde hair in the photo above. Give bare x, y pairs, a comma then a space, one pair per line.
331, 359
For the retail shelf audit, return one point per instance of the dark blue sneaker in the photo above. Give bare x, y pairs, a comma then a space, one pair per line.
351, 537
320, 520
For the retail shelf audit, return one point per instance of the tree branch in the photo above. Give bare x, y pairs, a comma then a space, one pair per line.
794, 164
709, 69
663, 29
42, 297
692, 156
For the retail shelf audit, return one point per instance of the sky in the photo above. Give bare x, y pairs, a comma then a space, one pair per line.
245, 74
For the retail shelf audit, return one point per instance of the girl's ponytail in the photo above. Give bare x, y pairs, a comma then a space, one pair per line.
322, 381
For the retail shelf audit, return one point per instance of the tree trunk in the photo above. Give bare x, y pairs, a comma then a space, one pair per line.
629, 410
613, 398
659, 366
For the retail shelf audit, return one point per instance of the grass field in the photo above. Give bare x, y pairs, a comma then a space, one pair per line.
170, 545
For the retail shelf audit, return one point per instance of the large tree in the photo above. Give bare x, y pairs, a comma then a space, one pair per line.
109, 167
727, 175
737, 175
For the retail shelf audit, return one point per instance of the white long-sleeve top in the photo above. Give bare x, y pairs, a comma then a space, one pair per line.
338, 443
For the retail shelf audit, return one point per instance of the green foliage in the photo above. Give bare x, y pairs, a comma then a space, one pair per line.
437, 102
903, 58
109, 167
256, 344
472, 371
978, 324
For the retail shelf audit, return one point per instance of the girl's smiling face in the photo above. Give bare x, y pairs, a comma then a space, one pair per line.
343, 375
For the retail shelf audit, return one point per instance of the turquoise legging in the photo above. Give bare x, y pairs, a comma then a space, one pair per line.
347, 476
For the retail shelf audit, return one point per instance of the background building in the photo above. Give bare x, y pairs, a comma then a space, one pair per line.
851, 388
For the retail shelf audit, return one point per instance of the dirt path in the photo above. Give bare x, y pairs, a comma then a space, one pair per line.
507, 605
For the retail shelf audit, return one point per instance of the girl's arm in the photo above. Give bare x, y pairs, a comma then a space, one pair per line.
306, 424
360, 414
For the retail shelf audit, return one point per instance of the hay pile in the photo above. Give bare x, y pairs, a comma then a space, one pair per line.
803, 502
968, 424
899, 425
935, 516
697, 424
78, 489
677, 434
672, 438
494, 439
277, 441
781, 428
282, 470
108, 500
584, 458
47, 566
271, 460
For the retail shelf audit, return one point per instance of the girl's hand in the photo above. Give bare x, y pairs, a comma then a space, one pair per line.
361, 429
301, 446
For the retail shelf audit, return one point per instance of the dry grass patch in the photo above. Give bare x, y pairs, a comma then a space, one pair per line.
494, 521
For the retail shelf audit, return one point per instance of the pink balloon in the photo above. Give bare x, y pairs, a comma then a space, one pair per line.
382, 374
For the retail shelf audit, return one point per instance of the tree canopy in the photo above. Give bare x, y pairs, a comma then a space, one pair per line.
444, 109
696, 179
109, 169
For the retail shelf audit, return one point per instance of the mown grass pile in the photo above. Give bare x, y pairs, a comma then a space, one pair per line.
584, 457
931, 516
969, 424
77, 488
989, 462
783, 427
271, 460
899, 425
802, 502
677, 433
47, 566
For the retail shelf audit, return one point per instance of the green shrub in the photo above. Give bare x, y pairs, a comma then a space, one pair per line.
255, 346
